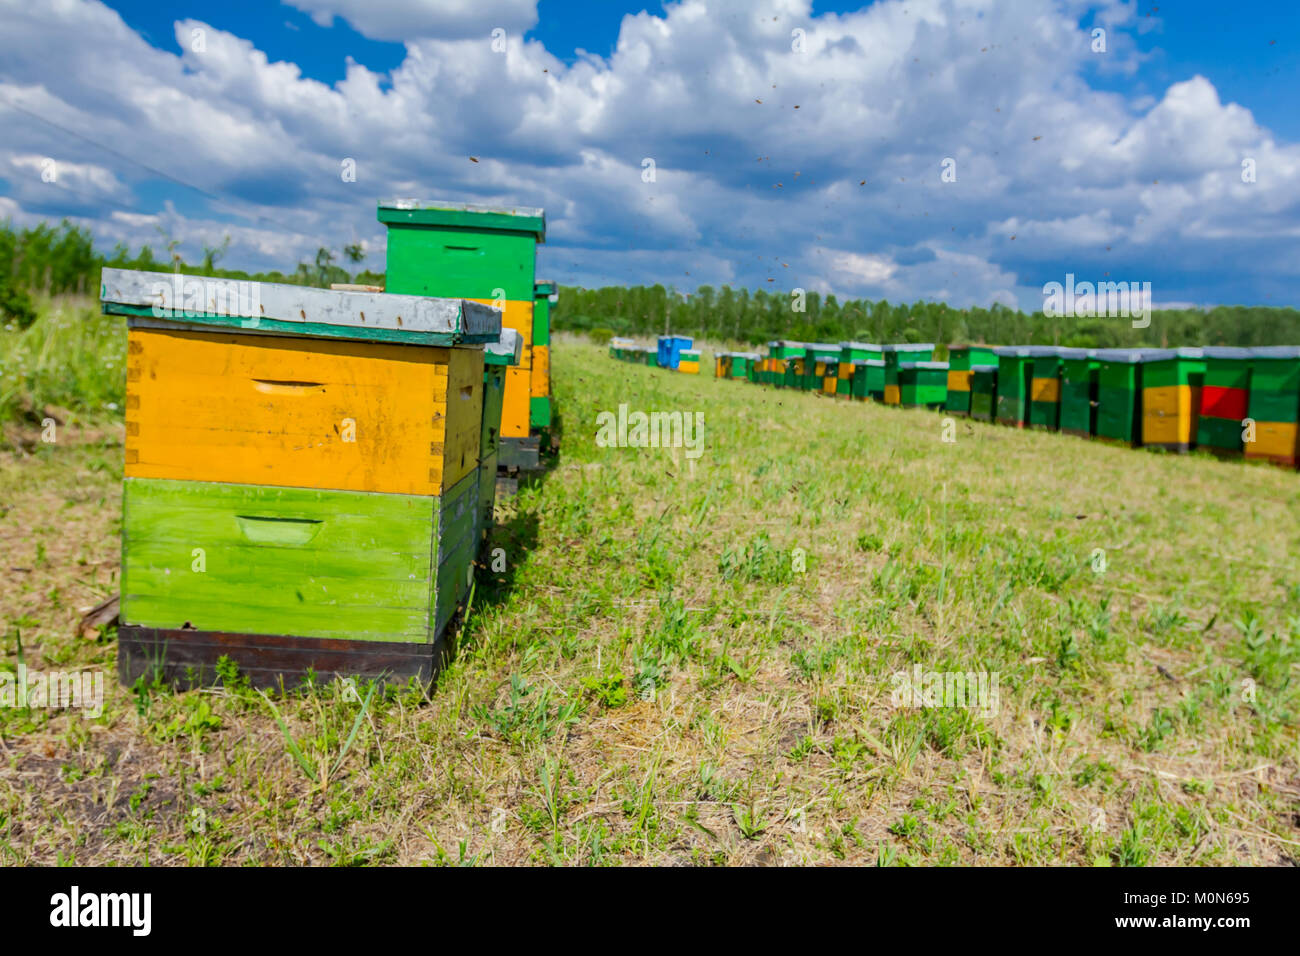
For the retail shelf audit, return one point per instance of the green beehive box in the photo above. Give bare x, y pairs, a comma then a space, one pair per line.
498, 357
923, 384
1078, 411
545, 292
781, 355
1225, 399
1045, 387
486, 254
1275, 404
983, 392
961, 358
902, 352
850, 353
1015, 376
1171, 397
1119, 395
822, 363
869, 380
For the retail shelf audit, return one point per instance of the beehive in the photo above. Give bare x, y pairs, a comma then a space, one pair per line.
781, 355
1015, 373
821, 373
669, 352
1045, 388
1119, 395
1171, 397
688, 361
851, 352
983, 392
922, 384
483, 253
960, 360
869, 379
1275, 404
1078, 412
620, 348
892, 355
498, 359
1225, 399
301, 478
545, 292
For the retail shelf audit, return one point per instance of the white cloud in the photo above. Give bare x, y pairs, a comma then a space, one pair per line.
403, 19
842, 194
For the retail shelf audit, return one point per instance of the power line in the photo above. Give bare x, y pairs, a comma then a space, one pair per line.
211, 197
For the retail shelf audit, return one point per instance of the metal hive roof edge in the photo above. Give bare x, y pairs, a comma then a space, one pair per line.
244, 304
530, 219
508, 350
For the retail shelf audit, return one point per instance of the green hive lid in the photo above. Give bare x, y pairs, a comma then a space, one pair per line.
509, 350
1012, 351
694, 353
909, 347
1165, 355
930, 365
786, 344
1227, 352
173, 300
1276, 352
1069, 353
866, 346
546, 289
437, 212
869, 363
1041, 351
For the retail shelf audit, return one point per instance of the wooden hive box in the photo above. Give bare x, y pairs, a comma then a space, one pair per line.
301, 478
893, 355
1015, 376
1171, 397
1045, 388
688, 361
922, 384
1078, 411
486, 254
498, 359
1119, 396
1275, 404
545, 293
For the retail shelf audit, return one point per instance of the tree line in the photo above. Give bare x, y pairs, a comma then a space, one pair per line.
54, 260
62, 260
742, 316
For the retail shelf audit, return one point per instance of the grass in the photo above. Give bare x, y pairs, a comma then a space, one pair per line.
693, 662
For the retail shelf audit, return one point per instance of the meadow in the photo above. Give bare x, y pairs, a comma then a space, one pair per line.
692, 662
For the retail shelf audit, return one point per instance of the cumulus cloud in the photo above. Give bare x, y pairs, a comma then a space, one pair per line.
808, 151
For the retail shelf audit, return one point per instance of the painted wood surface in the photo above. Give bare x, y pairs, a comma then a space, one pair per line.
265, 560
514, 408
281, 410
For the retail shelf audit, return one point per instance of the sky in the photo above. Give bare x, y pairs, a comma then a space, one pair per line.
966, 151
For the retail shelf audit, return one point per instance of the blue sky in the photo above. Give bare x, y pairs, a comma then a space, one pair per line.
774, 168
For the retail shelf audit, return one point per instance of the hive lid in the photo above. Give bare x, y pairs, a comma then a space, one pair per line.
1127, 356
983, 368
926, 365
466, 215
860, 345
909, 347
1227, 352
509, 350
1276, 351
786, 344
1165, 355
546, 289
1072, 353
692, 352
171, 300
869, 363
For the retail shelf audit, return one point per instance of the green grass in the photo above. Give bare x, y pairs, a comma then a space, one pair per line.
72, 357
693, 663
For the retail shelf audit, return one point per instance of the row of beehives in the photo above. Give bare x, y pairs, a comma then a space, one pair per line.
673, 352
310, 474
1226, 400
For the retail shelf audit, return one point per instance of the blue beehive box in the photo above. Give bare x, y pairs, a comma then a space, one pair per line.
670, 349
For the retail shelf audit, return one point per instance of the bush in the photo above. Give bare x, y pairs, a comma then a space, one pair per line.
16, 307
601, 336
